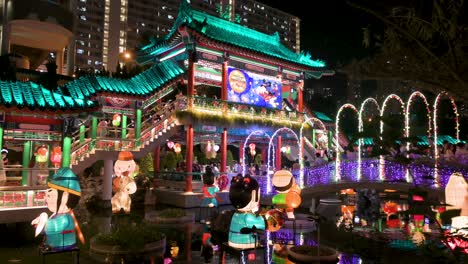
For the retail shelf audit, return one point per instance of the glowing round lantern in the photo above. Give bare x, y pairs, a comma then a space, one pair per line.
116, 119
177, 148
216, 148
170, 144
56, 156
42, 154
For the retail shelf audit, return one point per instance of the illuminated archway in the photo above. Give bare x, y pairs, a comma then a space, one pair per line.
272, 151
301, 154
361, 129
382, 111
457, 124
407, 115
256, 132
337, 143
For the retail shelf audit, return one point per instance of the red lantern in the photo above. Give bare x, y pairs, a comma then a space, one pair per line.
251, 256
56, 155
223, 181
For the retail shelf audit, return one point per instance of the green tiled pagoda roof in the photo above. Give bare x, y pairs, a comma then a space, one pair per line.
423, 141
231, 33
143, 84
35, 96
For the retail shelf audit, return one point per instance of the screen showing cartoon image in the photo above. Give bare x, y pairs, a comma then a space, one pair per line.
250, 88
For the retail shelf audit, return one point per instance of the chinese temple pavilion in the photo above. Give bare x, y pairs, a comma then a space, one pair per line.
209, 79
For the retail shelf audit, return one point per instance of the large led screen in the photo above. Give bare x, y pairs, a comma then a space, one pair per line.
250, 88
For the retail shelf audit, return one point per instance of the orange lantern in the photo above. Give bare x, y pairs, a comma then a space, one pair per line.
42, 154
177, 148
116, 119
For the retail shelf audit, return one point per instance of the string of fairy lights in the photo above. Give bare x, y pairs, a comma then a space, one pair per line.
311, 121
361, 129
337, 132
432, 125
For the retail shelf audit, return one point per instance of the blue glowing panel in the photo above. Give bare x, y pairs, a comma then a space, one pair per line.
254, 89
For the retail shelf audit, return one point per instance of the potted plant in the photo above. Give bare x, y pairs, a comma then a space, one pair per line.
128, 243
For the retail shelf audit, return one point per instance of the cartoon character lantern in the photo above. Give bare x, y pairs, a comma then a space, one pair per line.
61, 228
289, 192
42, 154
244, 194
209, 191
123, 183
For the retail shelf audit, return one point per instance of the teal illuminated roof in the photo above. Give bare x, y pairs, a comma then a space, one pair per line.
423, 141
143, 84
35, 96
322, 116
228, 32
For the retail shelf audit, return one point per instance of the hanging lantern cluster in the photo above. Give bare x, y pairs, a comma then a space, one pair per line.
210, 149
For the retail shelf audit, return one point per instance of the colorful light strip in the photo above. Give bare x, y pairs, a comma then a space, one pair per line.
337, 144
361, 129
271, 151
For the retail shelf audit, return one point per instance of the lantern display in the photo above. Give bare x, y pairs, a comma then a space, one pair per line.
177, 148
216, 148
456, 191
289, 192
391, 210
223, 182
209, 150
61, 228
42, 154
123, 183
116, 119
244, 194
209, 191
56, 156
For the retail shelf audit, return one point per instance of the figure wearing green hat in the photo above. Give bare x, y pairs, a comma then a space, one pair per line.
61, 228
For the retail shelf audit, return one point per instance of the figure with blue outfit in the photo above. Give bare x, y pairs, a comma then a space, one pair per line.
244, 194
61, 228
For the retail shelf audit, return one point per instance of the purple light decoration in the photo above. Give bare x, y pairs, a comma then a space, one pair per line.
422, 173
337, 133
256, 132
287, 235
272, 151
301, 152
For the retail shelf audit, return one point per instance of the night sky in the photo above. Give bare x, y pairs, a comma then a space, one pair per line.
331, 30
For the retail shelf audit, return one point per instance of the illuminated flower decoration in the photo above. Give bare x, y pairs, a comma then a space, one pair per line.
170, 144
116, 119
177, 148
390, 208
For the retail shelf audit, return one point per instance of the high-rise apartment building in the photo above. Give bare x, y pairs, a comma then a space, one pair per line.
108, 29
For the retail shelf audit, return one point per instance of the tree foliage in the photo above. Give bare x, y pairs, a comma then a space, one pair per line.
427, 46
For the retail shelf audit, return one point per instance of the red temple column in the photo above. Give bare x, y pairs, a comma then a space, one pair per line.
241, 152
191, 80
224, 90
189, 159
264, 153
223, 151
278, 154
156, 160
300, 100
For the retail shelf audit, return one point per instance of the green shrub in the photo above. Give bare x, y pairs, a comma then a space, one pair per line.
172, 213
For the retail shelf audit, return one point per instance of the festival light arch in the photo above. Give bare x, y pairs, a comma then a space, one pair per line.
337, 132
